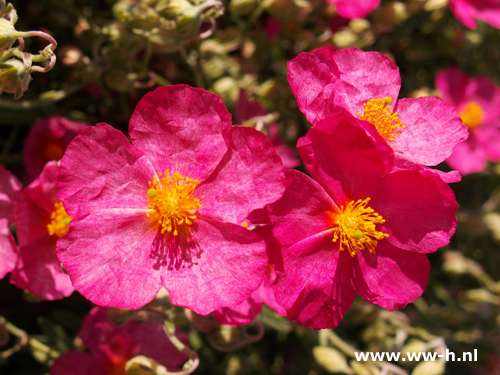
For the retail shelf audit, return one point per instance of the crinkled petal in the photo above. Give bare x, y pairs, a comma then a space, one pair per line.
249, 176
469, 156
241, 314
433, 128
102, 169
222, 264
448, 177
316, 286
111, 257
339, 149
8, 249
9, 188
451, 84
418, 208
184, 129
354, 8
392, 277
40, 271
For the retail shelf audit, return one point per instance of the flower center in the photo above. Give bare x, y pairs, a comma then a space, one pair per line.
356, 227
60, 221
378, 112
170, 202
472, 115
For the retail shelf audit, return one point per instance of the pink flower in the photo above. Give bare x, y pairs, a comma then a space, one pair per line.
354, 8
9, 189
478, 102
245, 312
421, 131
111, 346
168, 210
484, 10
40, 221
47, 140
247, 110
359, 227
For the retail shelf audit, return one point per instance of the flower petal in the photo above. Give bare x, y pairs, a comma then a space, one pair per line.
354, 9
451, 84
228, 263
8, 249
433, 128
184, 129
9, 188
249, 176
392, 277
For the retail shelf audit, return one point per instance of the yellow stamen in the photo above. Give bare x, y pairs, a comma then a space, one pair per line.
244, 224
60, 221
355, 227
378, 113
472, 115
170, 202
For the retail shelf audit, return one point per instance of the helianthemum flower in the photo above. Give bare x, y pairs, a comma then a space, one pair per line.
168, 209
9, 189
366, 84
111, 346
47, 140
485, 10
360, 226
40, 221
478, 102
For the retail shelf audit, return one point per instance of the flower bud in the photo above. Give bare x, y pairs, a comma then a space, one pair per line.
413, 346
171, 9
331, 359
242, 7
14, 78
363, 368
8, 34
135, 15
429, 368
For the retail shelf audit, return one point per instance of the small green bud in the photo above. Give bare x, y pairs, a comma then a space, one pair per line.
429, 368
138, 16
331, 359
172, 9
242, 7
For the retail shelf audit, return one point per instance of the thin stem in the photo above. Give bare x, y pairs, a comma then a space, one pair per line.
193, 360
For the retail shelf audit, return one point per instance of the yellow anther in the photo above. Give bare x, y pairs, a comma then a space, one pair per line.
244, 224
170, 203
355, 227
472, 115
378, 112
59, 224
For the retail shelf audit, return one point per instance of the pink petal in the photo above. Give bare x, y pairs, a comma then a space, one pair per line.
463, 12
489, 136
316, 287
116, 174
418, 208
448, 177
184, 129
80, 363
8, 249
9, 188
41, 271
433, 128
486, 93
111, 257
451, 84
469, 156
302, 211
392, 277
338, 149
248, 177
354, 8
246, 109
228, 264
241, 314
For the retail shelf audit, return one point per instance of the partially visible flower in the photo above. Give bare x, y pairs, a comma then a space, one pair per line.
40, 221
111, 346
484, 10
245, 312
478, 102
167, 210
422, 131
354, 8
47, 140
361, 226
247, 110
9, 189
